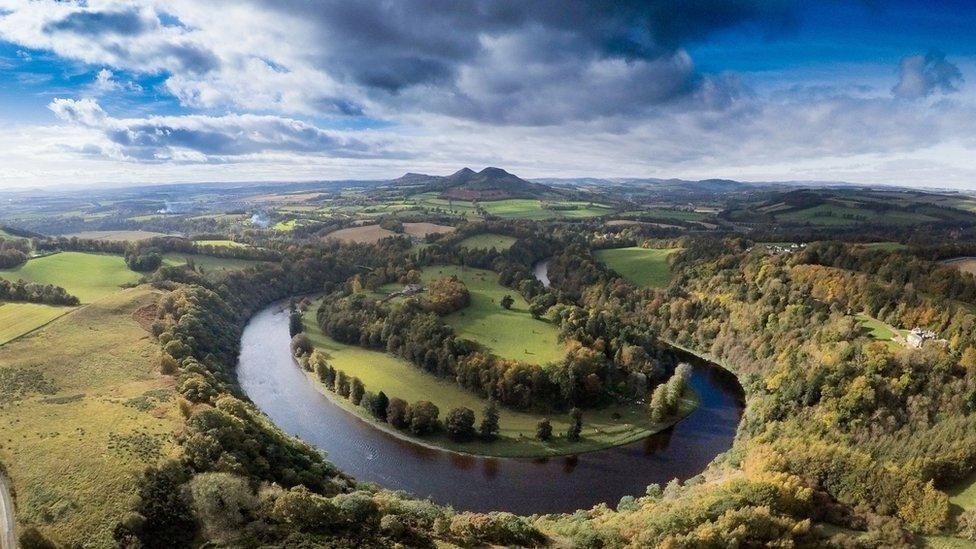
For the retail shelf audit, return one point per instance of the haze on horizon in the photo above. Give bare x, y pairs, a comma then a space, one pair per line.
117, 93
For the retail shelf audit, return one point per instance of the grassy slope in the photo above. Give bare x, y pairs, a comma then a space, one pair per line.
510, 333
642, 266
225, 243
17, 319
209, 263
396, 377
87, 276
487, 241
71, 472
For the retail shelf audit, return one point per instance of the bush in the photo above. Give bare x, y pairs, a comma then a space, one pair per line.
543, 430
222, 503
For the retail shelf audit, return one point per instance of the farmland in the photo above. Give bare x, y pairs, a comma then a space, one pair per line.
604, 427
17, 319
87, 276
641, 266
220, 243
127, 236
208, 263
84, 411
487, 241
363, 234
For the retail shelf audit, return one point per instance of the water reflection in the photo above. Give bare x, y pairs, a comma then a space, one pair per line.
271, 379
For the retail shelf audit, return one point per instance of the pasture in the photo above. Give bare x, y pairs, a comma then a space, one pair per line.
17, 319
839, 214
87, 276
208, 263
422, 229
220, 243
83, 410
641, 266
116, 236
397, 378
879, 330
487, 241
512, 333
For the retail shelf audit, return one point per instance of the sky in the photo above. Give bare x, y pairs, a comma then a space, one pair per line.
107, 92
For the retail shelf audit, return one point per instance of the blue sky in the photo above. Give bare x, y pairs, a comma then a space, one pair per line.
153, 92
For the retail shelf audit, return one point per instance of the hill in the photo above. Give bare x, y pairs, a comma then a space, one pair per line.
488, 184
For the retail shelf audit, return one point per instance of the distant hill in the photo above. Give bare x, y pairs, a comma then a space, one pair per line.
488, 184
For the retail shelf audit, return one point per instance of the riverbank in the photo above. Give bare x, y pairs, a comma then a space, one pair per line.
269, 377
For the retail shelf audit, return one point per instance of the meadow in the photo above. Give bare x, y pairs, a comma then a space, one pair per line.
511, 333
832, 214
85, 275
220, 243
487, 241
641, 266
365, 234
17, 319
127, 236
207, 262
83, 410
602, 428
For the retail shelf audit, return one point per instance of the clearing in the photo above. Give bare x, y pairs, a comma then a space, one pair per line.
487, 241
641, 266
397, 378
511, 333
84, 275
84, 411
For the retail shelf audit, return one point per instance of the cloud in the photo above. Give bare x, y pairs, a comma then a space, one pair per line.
921, 76
207, 138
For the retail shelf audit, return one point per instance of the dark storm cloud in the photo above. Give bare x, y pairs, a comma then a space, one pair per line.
490, 60
921, 76
94, 23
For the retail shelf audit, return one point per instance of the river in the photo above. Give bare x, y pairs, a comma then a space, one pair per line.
276, 384
541, 271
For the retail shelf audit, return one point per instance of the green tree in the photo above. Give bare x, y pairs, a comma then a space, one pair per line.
460, 424
507, 302
295, 325
489, 422
423, 417
356, 390
543, 431
380, 405
398, 413
575, 425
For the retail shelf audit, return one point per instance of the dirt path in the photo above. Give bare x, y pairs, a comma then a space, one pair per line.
8, 539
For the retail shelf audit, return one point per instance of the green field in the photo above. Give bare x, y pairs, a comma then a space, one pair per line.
207, 262
83, 410
513, 208
220, 243
641, 266
838, 215
118, 236
17, 319
487, 241
513, 333
87, 276
879, 330
668, 213
382, 372
285, 226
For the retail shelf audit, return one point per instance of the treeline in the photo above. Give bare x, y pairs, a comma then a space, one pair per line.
31, 292
13, 252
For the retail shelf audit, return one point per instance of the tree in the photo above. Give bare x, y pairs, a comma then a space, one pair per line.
575, 425
398, 413
356, 390
507, 302
301, 345
460, 424
659, 406
342, 384
380, 405
295, 325
489, 422
423, 417
543, 430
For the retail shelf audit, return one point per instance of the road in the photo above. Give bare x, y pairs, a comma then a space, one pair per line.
8, 538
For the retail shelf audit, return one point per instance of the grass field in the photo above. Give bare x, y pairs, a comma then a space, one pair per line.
220, 243
382, 372
82, 412
366, 234
513, 208
513, 333
285, 226
87, 276
487, 241
207, 262
17, 319
877, 329
421, 230
641, 266
669, 213
832, 214
964, 264
128, 236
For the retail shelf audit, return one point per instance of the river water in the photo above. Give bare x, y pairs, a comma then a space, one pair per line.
277, 385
